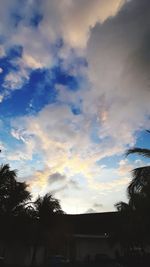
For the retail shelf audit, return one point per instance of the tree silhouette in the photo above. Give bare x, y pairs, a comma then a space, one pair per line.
46, 208
13, 194
141, 176
138, 207
30, 221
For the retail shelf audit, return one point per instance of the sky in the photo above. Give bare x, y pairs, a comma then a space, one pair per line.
74, 96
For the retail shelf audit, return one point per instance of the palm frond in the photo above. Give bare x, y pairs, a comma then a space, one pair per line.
122, 206
13, 194
136, 150
141, 177
5, 169
47, 205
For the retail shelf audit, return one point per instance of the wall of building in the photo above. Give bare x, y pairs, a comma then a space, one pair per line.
87, 249
20, 254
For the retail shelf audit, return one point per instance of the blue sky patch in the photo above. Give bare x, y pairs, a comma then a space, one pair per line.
35, 20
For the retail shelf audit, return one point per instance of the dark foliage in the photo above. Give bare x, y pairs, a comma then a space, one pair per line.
136, 231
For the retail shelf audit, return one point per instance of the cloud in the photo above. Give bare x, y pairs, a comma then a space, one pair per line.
56, 177
118, 59
83, 15
114, 186
15, 80
31, 62
63, 140
58, 190
1, 98
95, 208
69, 21
57, 134
74, 184
125, 167
46, 180
2, 51
90, 211
45, 177
97, 205
1, 70
72, 20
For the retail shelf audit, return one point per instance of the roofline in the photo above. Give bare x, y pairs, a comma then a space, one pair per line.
102, 236
94, 213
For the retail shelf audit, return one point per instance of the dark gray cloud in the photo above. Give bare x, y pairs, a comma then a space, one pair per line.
56, 177
59, 178
119, 66
65, 183
91, 211
74, 184
97, 205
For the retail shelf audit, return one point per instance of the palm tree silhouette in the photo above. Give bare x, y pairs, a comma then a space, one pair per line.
46, 208
16, 206
141, 176
13, 194
138, 207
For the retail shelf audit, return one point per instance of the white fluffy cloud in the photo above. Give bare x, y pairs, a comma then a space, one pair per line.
74, 19
57, 134
68, 20
1, 70
15, 80
64, 140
